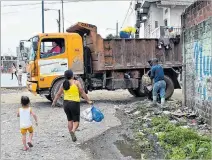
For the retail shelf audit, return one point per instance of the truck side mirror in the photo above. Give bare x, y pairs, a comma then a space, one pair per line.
35, 46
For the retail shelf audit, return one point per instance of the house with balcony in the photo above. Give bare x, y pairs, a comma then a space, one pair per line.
159, 15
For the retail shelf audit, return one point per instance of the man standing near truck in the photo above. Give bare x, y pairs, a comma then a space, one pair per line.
157, 74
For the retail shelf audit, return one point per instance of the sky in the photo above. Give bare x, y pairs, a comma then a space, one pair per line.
23, 22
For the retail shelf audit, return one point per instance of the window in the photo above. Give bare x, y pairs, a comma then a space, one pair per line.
32, 52
156, 24
52, 47
166, 11
165, 22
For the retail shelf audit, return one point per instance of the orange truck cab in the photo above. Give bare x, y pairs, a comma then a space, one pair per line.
96, 62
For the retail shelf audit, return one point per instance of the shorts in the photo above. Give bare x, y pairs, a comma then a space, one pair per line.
72, 110
24, 130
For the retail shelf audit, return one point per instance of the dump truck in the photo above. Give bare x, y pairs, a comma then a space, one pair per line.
98, 63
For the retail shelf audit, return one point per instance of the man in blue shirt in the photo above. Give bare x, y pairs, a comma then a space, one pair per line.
157, 74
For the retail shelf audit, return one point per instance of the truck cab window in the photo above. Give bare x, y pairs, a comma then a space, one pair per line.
52, 47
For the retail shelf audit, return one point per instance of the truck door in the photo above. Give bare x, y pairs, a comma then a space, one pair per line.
53, 60
75, 53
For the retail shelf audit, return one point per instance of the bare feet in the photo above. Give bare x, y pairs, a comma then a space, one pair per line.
26, 148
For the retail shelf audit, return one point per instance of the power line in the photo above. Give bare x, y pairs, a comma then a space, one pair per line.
68, 21
30, 8
18, 5
32, 4
6, 13
130, 7
27, 4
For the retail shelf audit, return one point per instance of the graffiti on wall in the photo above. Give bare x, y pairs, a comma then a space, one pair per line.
203, 70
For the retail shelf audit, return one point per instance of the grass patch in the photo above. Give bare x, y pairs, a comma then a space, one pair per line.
181, 143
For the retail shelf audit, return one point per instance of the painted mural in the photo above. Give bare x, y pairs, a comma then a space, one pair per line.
203, 69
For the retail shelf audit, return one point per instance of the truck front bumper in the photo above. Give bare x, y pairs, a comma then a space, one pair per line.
32, 87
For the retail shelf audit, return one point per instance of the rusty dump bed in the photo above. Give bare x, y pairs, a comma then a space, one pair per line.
118, 54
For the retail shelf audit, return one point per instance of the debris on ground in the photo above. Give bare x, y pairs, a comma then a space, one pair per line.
167, 130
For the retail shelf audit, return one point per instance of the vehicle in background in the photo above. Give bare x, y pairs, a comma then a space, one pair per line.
98, 63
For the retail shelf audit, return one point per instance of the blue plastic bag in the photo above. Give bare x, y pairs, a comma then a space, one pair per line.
97, 114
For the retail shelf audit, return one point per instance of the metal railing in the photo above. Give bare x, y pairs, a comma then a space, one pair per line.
163, 31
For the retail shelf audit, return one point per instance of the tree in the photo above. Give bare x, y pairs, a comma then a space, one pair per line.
111, 36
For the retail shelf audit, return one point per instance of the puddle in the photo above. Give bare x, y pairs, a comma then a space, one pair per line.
126, 148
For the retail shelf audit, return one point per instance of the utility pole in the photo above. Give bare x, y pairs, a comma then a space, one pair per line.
138, 23
43, 21
42, 16
62, 15
117, 28
58, 20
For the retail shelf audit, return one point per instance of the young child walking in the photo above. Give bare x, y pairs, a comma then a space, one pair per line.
25, 113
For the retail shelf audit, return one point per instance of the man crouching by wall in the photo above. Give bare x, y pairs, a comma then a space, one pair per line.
157, 74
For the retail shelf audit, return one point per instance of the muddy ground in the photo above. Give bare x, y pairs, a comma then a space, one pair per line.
110, 139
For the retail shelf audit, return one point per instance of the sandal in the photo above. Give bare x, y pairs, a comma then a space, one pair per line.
30, 144
73, 136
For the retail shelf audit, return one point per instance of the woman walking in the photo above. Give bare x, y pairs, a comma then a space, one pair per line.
14, 71
72, 90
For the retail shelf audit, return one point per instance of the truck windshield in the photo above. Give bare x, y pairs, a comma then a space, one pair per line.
32, 55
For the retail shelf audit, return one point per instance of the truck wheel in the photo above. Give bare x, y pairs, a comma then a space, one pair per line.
133, 92
82, 83
49, 97
139, 92
136, 92
169, 88
54, 91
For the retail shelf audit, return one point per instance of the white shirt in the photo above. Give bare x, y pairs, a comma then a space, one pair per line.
25, 117
13, 69
20, 71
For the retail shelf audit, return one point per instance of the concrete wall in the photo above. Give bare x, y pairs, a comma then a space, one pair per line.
148, 24
175, 14
197, 28
157, 15
166, 16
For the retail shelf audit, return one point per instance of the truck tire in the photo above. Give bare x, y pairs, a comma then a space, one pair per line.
169, 88
55, 89
132, 91
81, 82
139, 92
49, 97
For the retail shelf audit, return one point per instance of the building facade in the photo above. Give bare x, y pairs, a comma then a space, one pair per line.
162, 14
197, 57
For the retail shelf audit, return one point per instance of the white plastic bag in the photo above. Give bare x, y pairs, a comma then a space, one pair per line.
87, 115
149, 88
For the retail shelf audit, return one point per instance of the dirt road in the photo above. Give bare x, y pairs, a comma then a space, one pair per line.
52, 140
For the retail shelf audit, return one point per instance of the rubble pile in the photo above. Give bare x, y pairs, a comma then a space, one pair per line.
176, 116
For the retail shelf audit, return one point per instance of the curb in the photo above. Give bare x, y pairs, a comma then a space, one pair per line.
23, 87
